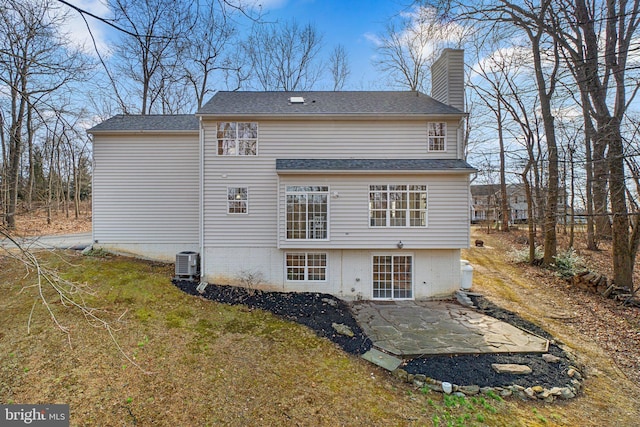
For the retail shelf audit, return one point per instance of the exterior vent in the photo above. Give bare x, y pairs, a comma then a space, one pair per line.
187, 265
296, 100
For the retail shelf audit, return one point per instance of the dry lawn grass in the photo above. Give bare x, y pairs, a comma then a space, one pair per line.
201, 363
604, 336
204, 363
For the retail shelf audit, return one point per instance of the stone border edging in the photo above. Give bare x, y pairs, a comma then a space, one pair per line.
548, 395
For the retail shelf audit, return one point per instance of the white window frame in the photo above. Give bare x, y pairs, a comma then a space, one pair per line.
312, 226
307, 269
393, 276
229, 141
436, 136
390, 211
235, 199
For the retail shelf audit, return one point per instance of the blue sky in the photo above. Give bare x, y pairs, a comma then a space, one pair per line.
347, 22
352, 23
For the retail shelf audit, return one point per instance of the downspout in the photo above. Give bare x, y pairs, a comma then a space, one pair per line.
93, 174
201, 201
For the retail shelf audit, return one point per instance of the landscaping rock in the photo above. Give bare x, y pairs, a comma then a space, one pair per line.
506, 392
511, 368
342, 329
550, 358
470, 390
566, 393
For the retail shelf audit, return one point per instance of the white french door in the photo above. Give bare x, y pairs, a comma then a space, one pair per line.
392, 277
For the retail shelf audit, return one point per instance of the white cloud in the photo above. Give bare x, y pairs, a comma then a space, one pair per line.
422, 30
373, 38
75, 28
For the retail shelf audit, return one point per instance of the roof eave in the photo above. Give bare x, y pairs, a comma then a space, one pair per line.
332, 116
142, 131
375, 171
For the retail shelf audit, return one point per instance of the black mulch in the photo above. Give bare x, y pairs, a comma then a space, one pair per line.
319, 311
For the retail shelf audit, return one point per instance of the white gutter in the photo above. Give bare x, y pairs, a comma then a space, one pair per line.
466, 171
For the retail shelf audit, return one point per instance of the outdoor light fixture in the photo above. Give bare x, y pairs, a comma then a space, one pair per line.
400, 244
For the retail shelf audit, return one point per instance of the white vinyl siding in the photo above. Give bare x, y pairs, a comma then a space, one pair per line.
145, 189
373, 139
311, 139
349, 213
447, 78
257, 173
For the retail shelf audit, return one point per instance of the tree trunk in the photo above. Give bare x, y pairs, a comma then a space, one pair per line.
504, 201
600, 188
573, 199
551, 205
589, 133
529, 195
623, 259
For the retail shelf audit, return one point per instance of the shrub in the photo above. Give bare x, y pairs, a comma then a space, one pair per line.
520, 256
568, 263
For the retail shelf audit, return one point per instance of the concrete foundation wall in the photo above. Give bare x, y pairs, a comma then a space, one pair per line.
436, 273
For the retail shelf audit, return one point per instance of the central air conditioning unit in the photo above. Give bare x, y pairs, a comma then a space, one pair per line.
187, 265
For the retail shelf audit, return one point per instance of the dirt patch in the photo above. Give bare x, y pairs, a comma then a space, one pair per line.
35, 222
320, 311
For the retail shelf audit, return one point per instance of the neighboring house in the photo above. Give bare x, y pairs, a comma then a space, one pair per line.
486, 203
356, 194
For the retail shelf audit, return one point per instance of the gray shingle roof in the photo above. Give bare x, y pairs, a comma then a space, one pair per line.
169, 123
326, 103
373, 164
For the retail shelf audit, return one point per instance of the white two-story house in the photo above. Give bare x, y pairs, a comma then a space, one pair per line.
356, 194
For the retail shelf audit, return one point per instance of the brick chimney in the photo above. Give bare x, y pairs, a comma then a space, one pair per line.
447, 78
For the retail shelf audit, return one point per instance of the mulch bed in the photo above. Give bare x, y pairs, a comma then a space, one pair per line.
319, 311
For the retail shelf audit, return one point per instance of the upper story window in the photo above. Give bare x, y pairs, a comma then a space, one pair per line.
237, 138
237, 200
307, 211
437, 135
398, 205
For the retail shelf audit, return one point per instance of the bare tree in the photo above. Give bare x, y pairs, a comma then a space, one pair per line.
211, 51
595, 41
597, 38
339, 66
407, 48
493, 72
34, 63
285, 57
153, 55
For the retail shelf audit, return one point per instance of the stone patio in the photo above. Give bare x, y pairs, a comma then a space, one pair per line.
410, 329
